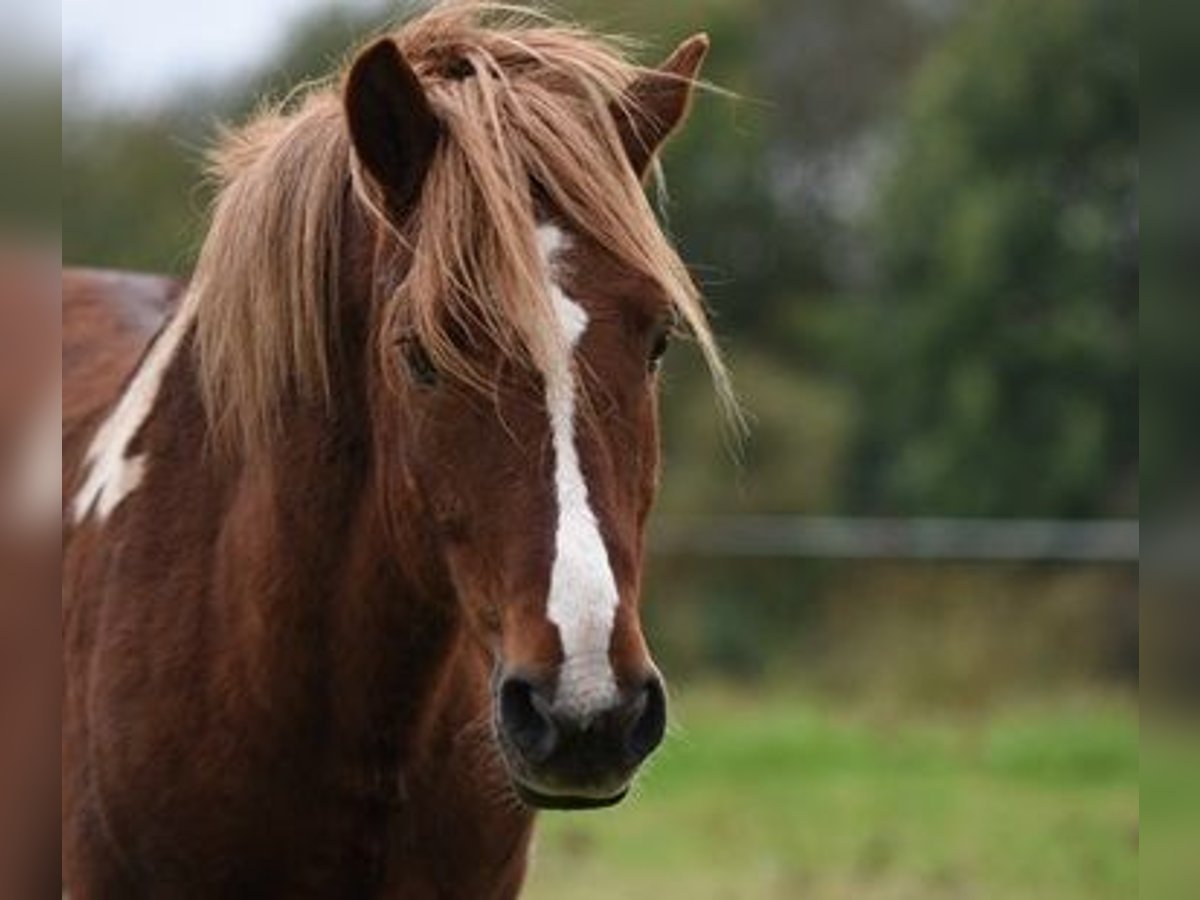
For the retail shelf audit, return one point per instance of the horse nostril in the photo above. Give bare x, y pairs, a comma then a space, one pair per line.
526, 720
649, 722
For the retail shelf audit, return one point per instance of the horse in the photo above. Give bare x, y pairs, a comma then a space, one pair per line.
353, 519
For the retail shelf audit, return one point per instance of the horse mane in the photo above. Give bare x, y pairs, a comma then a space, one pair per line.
535, 111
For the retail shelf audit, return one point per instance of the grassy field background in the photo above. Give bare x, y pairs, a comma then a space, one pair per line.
1170, 805
773, 796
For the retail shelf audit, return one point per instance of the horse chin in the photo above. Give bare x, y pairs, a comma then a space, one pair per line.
538, 800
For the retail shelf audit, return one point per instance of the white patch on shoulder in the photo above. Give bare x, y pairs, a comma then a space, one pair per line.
112, 474
583, 592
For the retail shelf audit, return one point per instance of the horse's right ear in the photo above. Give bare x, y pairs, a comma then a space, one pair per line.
392, 126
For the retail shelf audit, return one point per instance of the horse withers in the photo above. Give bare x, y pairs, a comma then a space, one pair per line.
353, 545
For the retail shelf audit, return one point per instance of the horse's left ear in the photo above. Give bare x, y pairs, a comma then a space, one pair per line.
658, 103
392, 126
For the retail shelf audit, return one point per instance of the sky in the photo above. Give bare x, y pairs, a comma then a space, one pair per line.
27, 29
135, 52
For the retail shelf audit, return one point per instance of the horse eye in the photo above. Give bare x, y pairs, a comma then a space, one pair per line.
659, 349
420, 366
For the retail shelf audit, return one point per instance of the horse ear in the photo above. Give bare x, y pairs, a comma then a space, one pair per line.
392, 126
658, 103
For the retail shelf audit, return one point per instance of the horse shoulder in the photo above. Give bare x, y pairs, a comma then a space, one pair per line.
108, 321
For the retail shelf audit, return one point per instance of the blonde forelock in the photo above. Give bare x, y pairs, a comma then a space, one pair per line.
535, 113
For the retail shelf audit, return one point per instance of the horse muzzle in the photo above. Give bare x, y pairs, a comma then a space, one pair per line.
560, 758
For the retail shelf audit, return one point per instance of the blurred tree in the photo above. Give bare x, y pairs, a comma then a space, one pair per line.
129, 192
997, 361
133, 182
28, 141
1170, 321
768, 189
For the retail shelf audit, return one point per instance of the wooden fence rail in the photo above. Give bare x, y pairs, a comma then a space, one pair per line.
813, 537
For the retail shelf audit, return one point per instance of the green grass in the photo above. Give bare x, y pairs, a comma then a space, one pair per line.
1170, 808
772, 797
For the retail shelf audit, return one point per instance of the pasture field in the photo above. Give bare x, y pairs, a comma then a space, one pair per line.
773, 797
1170, 807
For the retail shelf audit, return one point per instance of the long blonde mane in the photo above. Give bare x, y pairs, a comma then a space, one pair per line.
537, 110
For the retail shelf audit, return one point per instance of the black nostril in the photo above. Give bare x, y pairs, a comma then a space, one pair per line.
649, 720
526, 720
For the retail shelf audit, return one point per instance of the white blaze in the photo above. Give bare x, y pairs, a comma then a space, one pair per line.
583, 592
112, 474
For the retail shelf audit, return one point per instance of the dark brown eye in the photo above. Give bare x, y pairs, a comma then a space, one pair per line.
658, 349
420, 366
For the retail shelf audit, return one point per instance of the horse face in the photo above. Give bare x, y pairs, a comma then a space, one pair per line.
535, 491
538, 492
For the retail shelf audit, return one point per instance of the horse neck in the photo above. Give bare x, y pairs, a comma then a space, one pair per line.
351, 638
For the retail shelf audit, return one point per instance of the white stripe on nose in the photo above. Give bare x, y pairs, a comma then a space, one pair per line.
583, 592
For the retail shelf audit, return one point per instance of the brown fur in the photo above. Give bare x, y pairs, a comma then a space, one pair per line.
279, 649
